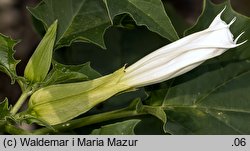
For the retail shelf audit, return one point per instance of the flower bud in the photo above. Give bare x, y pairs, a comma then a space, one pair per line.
39, 63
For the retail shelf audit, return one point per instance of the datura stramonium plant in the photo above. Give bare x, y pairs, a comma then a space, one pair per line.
59, 103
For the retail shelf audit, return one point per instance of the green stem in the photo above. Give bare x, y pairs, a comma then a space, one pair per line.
20, 101
21, 83
97, 118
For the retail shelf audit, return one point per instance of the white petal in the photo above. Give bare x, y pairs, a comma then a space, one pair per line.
182, 64
182, 55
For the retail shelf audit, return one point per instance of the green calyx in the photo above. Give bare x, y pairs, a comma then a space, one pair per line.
59, 103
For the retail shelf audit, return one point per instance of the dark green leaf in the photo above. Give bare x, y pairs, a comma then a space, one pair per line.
124, 21
119, 128
4, 112
7, 61
79, 20
70, 73
145, 12
156, 111
87, 20
4, 109
213, 98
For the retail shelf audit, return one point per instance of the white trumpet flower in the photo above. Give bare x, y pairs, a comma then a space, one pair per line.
182, 55
50, 104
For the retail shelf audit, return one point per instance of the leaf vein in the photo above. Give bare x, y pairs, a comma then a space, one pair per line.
225, 123
199, 101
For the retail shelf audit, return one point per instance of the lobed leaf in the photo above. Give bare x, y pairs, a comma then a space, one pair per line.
4, 113
4, 108
150, 13
79, 20
7, 60
87, 20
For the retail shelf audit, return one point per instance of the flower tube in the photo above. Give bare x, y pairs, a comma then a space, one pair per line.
182, 55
